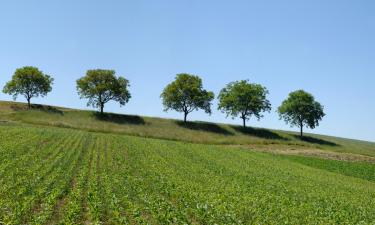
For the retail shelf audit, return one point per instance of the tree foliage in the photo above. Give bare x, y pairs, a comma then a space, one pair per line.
300, 109
30, 82
101, 86
244, 99
186, 94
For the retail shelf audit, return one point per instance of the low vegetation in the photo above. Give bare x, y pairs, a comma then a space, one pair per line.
65, 166
57, 175
196, 132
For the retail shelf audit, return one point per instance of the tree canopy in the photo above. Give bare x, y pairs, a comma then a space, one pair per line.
244, 99
30, 82
186, 94
300, 109
101, 86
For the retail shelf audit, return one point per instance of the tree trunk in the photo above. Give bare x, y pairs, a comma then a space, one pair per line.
28, 103
301, 131
244, 122
185, 115
101, 108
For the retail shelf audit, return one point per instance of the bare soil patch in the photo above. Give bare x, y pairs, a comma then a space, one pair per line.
288, 150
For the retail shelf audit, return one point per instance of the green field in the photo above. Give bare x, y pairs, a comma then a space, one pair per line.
194, 132
98, 173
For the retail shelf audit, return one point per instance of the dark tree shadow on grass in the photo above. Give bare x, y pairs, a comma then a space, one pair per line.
120, 119
204, 126
47, 108
43, 108
259, 132
313, 140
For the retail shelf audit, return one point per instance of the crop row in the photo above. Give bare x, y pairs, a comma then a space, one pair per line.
55, 175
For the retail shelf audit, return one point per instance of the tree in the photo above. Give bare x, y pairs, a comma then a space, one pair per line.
101, 86
186, 94
244, 99
30, 82
300, 109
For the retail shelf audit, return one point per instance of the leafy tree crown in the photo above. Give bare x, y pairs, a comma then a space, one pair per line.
186, 94
300, 108
101, 86
30, 82
244, 99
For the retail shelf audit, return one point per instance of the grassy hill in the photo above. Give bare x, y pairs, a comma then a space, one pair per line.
64, 166
195, 132
57, 175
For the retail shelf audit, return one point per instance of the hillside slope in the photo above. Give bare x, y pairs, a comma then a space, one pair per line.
195, 132
68, 176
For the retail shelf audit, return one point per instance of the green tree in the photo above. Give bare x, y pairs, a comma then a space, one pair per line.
300, 109
186, 94
30, 82
244, 99
101, 86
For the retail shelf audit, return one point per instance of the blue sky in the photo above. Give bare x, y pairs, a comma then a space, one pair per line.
324, 47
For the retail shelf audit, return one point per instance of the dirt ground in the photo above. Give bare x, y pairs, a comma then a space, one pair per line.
289, 150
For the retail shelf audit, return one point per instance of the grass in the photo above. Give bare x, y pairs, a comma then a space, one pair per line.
58, 175
66, 166
362, 170
194, 132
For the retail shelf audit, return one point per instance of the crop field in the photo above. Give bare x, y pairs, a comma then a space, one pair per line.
168, 129
64, 176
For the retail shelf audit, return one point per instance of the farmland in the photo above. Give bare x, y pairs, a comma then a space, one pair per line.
167, 129
66, 166
58, 175
187, 112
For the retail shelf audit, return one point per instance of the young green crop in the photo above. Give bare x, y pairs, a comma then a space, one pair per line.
64, 176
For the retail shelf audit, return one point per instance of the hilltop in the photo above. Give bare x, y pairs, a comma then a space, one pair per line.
170, 129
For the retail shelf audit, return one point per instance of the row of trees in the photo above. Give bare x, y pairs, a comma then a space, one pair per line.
240, 99
185, 94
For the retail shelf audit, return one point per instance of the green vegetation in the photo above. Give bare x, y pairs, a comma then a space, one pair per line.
57, 175
101, 86
186, 94
29, 82
244, 99
197, 132
361, 170
300, 109
65, 166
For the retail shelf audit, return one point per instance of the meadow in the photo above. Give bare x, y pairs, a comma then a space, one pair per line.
169, 129
53, 174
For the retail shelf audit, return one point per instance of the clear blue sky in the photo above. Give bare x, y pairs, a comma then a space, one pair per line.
324, 47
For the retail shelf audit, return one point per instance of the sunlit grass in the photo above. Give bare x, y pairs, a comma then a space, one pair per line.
58, 175
195, 132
